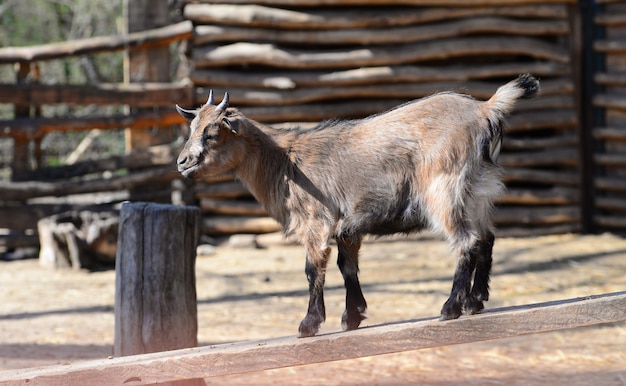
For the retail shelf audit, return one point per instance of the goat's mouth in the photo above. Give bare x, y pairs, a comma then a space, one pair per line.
188, 171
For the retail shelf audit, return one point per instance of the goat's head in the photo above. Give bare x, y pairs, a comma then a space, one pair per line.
210, 149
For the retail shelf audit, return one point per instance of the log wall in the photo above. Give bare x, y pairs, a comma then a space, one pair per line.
301, 62
609, 131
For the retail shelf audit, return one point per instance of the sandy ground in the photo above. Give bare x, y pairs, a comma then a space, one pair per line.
52, 317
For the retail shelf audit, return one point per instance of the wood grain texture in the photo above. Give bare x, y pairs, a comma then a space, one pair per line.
225, 359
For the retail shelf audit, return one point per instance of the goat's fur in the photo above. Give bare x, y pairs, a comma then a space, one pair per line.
429, 163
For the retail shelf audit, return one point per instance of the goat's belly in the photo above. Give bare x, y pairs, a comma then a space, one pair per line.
372, 225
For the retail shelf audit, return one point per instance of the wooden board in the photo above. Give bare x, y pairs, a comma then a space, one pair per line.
210, 361
361, 17
144, 39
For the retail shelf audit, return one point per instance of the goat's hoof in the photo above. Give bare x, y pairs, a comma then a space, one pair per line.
351, 320
450, 310
308, 327
473, 306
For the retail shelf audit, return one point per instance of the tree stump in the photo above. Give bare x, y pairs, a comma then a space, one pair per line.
155, 292
83, 239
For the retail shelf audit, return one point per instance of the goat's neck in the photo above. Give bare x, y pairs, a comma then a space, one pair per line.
264, 168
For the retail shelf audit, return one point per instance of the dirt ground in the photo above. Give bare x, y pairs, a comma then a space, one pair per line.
52, 317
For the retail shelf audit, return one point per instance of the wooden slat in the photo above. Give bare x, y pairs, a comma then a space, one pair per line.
270, 55
538, 230
286, 79
610, 133
552, 157
545, 177
610, 101
529, 143
558, 195
219, 190
37, 127
323, 18
135, 95
524, 215
145, 39
260, 355
20, 191
207, 34
611, 203
610, 184
221, 225
613, 221
232, 207
407, 91
610, 160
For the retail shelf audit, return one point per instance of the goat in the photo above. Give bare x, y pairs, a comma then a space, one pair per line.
429, 163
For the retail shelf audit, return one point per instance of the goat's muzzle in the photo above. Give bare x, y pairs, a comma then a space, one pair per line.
187, 166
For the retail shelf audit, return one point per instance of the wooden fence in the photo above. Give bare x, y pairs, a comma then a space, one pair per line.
145, 171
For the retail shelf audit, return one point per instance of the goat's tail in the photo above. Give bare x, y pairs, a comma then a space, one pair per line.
501, 104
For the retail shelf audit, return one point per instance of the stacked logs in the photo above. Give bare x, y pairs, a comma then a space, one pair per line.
609, 133
297, 63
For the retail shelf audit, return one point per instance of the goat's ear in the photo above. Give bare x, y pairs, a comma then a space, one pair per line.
230, 125
187, 114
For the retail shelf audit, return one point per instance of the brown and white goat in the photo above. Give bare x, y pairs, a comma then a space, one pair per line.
429, 163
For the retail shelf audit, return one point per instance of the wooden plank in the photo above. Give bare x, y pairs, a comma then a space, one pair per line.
551, 157
557, 195
211, 361
207, 34
610, 160
40, 126
225, 189
538, 230
323, 18
20, 191
135, 95
544, 177
137, 40
525, 215
239, 54
559, 119
232, 207
611, 203
610, 133
140, 158
529, 143
286, 79
221, 225
556, 94
610, 184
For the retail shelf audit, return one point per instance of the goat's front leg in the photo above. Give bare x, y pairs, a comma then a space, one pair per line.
348, 262
316, 261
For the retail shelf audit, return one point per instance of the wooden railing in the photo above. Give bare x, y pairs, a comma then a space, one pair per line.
150, 105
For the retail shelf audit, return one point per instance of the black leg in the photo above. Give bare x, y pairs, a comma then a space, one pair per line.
480, 289
316, 314
461, 285
348, 262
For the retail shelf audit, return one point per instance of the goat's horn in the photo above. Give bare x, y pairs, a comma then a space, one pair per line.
211, 99
224, 103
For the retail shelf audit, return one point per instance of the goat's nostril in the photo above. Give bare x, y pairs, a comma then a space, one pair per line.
182, 160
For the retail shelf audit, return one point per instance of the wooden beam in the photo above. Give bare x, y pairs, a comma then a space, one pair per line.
362, 17
286, 79
36, 127
210, 361
144, 39
271, 55
207, 34
135, 95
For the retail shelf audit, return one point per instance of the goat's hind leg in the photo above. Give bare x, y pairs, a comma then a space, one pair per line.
480, 289
461, 284
348, 262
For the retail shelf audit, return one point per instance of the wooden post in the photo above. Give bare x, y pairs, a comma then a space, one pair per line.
155, 289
